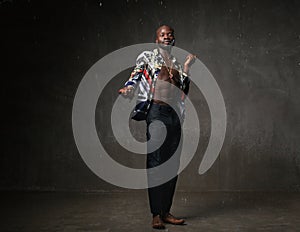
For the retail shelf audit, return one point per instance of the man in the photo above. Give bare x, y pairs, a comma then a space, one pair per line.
160, 77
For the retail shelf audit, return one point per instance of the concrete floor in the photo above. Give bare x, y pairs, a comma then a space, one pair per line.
129, 211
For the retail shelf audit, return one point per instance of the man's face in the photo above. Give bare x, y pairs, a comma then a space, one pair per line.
165, 36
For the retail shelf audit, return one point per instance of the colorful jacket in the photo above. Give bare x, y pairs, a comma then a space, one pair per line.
145, 73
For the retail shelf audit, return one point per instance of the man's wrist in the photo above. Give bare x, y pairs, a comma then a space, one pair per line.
129, 87
186, 69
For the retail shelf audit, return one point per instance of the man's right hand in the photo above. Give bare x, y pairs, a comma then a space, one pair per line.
127, 90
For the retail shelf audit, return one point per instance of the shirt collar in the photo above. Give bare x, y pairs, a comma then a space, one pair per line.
161, 59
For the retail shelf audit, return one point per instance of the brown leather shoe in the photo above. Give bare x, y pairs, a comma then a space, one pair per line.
157, 223
169, 218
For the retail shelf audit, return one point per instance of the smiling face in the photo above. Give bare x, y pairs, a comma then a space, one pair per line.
165, 36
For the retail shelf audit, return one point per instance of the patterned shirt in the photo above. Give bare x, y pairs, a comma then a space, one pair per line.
145, 73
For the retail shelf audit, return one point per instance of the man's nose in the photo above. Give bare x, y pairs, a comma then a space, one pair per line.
166, 37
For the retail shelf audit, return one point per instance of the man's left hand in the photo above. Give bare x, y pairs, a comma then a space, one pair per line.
190, 59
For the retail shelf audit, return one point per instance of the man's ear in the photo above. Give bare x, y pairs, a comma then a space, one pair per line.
156, 41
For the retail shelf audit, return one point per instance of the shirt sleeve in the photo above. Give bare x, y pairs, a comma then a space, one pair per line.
185, 83
138, 71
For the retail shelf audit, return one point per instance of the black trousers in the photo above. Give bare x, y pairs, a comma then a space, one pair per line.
161, 197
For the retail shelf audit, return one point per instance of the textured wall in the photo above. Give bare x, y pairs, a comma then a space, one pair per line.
251, 47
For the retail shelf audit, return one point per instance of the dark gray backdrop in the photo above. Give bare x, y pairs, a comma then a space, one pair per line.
251, 48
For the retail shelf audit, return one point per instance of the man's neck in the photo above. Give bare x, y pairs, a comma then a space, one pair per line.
166, 53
